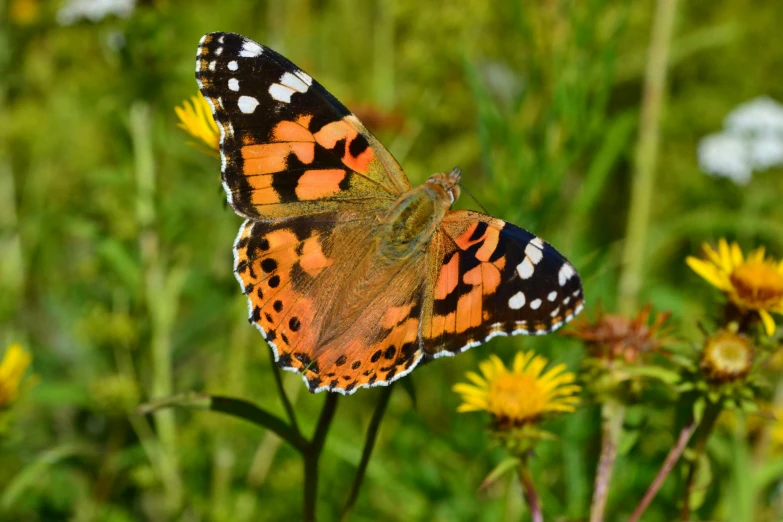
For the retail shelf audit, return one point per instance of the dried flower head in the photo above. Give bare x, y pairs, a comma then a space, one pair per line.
726, 357
520, 395
615, 336
195, 118
752, 284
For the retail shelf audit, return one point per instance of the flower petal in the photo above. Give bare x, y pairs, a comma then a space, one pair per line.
707, 271
736, 255
725, 255
769, 323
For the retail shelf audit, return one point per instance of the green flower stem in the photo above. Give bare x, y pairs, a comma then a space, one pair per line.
643, 184
312, 454
702, 435
612, 418
668, 464
289, 409
369, 444
531, 496
230, 406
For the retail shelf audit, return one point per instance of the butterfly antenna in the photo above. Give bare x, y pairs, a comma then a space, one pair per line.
463, 187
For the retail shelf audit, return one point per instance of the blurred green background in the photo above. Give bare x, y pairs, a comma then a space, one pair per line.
115, 245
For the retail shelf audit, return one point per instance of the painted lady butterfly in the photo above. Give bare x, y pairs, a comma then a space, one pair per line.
353, 276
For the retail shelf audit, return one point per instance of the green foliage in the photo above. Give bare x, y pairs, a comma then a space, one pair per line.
115, 250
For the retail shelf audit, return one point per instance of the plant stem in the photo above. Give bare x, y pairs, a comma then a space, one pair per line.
289, 409
646, 154
533, 502
230, 406
702, 436
668, 464
369, 444
311, 455
612, 417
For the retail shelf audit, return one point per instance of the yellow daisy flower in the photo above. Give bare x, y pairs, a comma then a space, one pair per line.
752, 283
12, 368
195, 118
520, 395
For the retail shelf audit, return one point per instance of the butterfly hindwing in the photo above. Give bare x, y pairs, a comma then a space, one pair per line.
293, 274
288, 147
494, 279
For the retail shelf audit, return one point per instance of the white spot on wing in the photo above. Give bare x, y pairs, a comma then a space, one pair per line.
212, 65
232, 65
554, 312
233, 84
517, 301
218, 51
305, 77
294, 82
566, 272
537, 241
247, 104
535, 303
534, 253
525, 269
250, 49
280, 93
552, 296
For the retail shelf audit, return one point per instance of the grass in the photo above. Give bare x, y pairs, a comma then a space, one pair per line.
115, 241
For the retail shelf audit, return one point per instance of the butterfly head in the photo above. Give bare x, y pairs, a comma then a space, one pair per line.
449, 182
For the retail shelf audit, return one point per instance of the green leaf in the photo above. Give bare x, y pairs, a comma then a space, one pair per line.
698, 409
506, 465
37, 469
702, 479
230, 406
410, 389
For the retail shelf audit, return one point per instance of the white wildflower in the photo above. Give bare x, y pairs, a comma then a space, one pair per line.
727, 156
752, 140
766, 151
761, 115
94, 10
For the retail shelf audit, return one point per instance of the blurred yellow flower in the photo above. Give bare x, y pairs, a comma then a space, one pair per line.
195, 118
12, 368
24, 12
777, 428
727, 356
520, 395
755, 283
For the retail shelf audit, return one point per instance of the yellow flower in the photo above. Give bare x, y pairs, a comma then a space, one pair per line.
726, 357
755, 283
195, 118
24, 12
12, 368
777, 427
520, 395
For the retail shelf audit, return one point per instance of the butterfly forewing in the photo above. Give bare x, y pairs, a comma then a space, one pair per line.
288, 147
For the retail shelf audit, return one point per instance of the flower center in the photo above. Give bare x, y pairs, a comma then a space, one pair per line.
727, 357
759, 284
516, 398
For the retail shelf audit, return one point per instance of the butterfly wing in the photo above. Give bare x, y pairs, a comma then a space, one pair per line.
340, 334
288, 147
494, 278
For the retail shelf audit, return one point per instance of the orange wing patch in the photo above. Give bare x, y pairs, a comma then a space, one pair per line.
276, 269
363, 364
317, 184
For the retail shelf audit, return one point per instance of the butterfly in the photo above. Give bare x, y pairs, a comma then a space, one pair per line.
352, 275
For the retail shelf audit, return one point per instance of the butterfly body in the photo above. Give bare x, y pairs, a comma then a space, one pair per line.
352, 275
